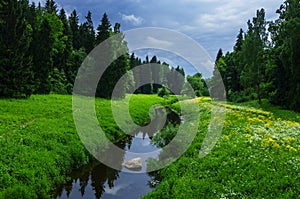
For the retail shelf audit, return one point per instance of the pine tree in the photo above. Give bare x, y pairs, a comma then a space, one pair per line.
73, 21
252, 54
42, 59
217, 89
65, 56
146, 76
51, 7
88, 33
103, 30
119, 66
288, 40
15, 61
219, 55
155, 74
239, 41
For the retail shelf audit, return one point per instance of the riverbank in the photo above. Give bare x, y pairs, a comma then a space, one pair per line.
257, 156
40, 146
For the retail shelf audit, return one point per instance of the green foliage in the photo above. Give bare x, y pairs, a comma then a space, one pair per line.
74, 21
58, 82
163, 92
172, 78
198, 84
87, 32
255, 144
40, 146
286, 35
164, 137
265, 61
15, 62
104, 29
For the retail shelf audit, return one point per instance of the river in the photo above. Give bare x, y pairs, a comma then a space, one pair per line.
97, 180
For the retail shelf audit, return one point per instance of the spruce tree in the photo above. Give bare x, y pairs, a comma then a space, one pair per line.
51, 7
252, 55
42, 59
289, 53
88, 33
15, 61
104, 29
73, 21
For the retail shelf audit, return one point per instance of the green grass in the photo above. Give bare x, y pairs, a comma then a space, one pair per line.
277, 111
39, 144
258, 156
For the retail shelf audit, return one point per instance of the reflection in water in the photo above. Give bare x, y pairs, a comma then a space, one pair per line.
99, 181
96, 180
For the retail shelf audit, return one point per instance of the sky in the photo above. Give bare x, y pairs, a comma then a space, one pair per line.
213, 24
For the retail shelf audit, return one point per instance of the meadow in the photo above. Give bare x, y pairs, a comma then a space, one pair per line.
39, 144
257, 156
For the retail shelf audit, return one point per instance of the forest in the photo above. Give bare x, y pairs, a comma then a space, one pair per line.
42, 49
265, 61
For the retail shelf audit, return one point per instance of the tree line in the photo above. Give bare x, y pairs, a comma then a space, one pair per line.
42, 49
265, 61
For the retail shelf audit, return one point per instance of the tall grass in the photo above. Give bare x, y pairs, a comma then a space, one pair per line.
258, 156
39, 144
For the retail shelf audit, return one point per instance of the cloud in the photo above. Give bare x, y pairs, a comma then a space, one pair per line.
157, 42
115, 189
136, 21
213, 23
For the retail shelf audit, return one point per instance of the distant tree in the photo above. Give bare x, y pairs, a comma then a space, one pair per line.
146, 76
120, 65
103, 30
234, 63
179, 76
155, 74
217, 90
238, 45
88, 33
73, 21
252, 54
164, 73
197, 83
219, 55
51, 7
134, 62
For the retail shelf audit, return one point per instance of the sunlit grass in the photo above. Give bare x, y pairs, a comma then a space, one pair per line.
257, 156
39, 143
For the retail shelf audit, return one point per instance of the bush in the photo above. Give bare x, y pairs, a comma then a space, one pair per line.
162, 92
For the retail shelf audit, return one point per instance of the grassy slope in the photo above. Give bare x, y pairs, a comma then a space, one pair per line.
256, 157
39, 144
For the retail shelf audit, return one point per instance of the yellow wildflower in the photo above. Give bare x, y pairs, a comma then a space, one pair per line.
226, 137
277, 146
249, 136
290, 148
268, 124
290, 139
